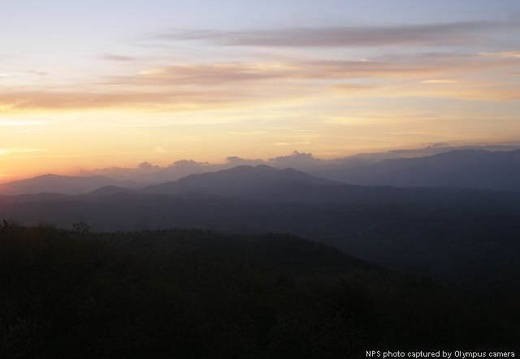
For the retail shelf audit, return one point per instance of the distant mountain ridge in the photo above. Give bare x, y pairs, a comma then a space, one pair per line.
464, 169
52, 183
245, 182
471, 169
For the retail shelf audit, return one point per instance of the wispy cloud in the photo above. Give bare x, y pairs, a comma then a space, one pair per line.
20, 123
451, 33
457, 90
118, 58
23, 74
19, 150
91, 100
201, 86
440, 81
208, 74
503, 54
237, 72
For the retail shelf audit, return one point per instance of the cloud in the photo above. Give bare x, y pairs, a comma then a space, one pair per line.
146, 166
438, 34
248, 133
201, 86
187, 164
234, 161
38, 73
206, 74
222, 74
466, 90
118, 58
296, 160
147, 173
93, 100
348, 87
24, 74
503, 54
20, 123
159, 149
19, 150
440, 81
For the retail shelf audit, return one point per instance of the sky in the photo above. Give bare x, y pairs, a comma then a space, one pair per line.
95, 84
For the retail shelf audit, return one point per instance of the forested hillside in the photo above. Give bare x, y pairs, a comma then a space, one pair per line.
200, 294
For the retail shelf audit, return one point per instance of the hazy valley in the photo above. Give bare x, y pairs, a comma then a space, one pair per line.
458, 233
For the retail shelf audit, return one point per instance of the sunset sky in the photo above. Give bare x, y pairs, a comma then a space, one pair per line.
92, 84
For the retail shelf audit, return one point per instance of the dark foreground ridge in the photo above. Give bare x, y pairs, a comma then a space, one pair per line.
200, 294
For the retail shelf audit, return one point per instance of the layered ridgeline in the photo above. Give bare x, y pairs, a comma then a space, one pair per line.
459, 168
464, 235
198, 294
51, 183
474, 169
256, 182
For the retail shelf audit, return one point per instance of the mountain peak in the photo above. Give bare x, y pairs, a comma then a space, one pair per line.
244, 181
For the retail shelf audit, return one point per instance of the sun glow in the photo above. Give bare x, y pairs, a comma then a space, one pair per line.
255, 86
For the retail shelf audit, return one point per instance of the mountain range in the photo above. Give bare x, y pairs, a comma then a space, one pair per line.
463, 169
475, 169
448, 233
